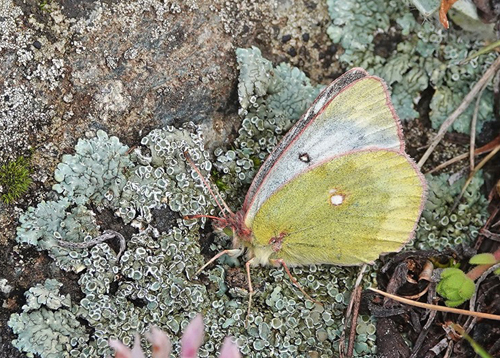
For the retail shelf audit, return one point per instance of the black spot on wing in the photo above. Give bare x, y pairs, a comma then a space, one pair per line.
304, 157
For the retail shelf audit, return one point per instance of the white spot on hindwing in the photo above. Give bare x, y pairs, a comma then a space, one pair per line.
336, 198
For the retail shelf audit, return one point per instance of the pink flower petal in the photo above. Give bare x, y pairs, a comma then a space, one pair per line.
121, 350
229, 349
136, 349
192, 338
161, 343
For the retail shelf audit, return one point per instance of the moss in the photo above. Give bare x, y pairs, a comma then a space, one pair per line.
14, 180
44, 5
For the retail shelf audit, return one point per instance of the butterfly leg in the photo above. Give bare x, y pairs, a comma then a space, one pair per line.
293, 279
232, 253
250, 289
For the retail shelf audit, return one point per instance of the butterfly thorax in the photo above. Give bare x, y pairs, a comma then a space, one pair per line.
244, 238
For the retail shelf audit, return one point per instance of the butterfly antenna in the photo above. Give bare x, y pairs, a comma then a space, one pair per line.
223, 207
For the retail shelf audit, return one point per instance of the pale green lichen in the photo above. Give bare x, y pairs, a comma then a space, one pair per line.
47, 326
163, 178
96, 171
156, 287
57, 220
154, 268
440, 227
46, 295
411, 57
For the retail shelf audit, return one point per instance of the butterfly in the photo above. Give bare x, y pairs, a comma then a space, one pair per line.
338, 189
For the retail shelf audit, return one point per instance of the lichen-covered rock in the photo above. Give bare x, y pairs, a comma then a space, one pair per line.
412, 57
50, 334
439, 228
153, 283
46, 295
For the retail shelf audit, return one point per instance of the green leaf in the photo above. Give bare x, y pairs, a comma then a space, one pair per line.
483, 259
455, 287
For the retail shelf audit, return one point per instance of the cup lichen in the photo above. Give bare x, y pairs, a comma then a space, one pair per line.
441, 228
411, 56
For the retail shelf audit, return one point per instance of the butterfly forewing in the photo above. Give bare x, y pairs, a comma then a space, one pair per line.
331, 91
357, 117
345, 211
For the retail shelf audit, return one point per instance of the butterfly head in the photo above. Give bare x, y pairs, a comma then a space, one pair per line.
241, 233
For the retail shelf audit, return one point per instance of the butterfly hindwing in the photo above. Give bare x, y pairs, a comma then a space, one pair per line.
346, 210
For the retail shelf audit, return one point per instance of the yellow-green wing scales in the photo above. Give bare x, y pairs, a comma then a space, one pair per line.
346, 211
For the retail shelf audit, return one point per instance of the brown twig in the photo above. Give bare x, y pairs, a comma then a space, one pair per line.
463, 106
352, 312
473, 129
436, 307
484, 149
